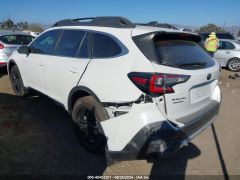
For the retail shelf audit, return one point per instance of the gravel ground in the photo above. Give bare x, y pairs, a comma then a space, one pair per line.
37, 138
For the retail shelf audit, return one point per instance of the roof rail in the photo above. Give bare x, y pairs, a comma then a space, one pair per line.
103, 21
157, 24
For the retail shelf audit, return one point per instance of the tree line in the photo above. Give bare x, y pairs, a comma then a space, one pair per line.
8, 24
213, 28
210, 28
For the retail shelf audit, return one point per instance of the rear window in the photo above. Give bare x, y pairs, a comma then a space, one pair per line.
16, 39
226, 45
225, 36
181, 53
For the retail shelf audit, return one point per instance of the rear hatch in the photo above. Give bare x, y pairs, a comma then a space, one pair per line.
191, 96
180, 55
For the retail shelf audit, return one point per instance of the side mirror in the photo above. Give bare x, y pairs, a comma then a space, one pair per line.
24, 50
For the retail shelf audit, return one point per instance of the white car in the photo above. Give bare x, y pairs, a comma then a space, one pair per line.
228, 54
35, 34
9, 42
134, 91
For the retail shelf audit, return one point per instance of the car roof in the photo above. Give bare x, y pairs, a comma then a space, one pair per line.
137, 30
112, 24
9, 32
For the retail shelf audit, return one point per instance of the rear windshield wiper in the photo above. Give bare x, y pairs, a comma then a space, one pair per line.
195, 64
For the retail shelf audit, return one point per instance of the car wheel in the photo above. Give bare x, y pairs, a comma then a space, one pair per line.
16, 81
234, 64
87, 114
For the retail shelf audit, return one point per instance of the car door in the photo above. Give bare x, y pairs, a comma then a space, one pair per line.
69, 61
34, 66
224, 52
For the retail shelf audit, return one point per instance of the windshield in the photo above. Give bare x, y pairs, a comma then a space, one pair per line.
180, 53
16, 39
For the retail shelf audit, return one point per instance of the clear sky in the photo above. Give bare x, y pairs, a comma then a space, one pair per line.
185, 12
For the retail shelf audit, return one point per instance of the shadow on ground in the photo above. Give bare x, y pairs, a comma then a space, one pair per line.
37, 138
3, 71
174, 167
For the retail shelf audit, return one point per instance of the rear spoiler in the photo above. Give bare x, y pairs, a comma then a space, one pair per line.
178, 36
145, 42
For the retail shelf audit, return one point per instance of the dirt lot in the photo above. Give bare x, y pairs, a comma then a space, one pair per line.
36, 137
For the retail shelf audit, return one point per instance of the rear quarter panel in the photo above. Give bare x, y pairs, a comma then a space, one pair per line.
108, 79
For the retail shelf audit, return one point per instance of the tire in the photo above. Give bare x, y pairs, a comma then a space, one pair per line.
234, 65
16, 81
87, 114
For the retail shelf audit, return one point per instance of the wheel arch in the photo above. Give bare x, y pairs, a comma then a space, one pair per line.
235, 57
79, 92
228, 61
11, 63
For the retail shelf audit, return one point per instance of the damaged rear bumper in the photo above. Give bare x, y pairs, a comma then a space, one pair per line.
161, 139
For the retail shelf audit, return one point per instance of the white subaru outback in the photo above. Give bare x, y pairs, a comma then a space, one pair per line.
134, 91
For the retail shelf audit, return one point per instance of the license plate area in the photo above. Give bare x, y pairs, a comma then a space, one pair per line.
200, 93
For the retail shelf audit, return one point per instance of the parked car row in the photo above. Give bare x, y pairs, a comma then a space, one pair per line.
9, 42
163, 25
34, 34
228, 54
204, 36
135, 92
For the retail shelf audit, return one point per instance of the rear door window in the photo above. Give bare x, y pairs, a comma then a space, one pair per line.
84, 51
225, 45
16, 39
105, 46
69, 43
181, 53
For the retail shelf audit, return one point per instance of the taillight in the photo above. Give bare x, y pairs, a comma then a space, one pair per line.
156, 83
1, 46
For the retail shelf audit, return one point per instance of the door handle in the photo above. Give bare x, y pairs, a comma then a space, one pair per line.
227, 52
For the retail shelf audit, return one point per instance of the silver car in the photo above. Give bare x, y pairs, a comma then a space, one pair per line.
9, 42
228, 54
